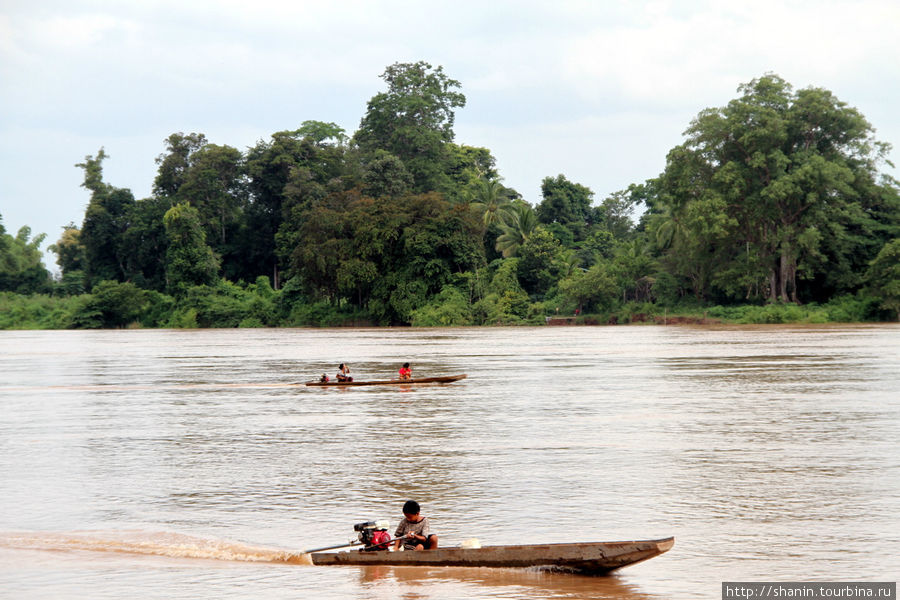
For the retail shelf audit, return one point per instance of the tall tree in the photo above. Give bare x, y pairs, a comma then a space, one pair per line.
69, 250
174, 164
615, 212
280, 172
468, 167
214, 185
105, 221
322, 134
147, 243
413, 120
212, 179
379, 254
539, 262
71, 259
566, 203
21, 269
762, 184
189, 260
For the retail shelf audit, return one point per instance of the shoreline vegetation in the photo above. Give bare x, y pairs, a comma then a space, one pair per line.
774, 209
262, 307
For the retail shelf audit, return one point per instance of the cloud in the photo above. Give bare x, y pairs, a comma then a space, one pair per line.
598, 91
667, 55
67, 33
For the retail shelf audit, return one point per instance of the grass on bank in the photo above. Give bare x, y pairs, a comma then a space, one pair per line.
118, 305
842, 309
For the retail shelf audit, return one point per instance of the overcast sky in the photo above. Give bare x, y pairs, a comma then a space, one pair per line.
597, 91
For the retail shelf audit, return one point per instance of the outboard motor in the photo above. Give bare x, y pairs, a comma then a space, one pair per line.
373, 535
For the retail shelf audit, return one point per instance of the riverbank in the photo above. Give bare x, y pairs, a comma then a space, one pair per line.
845, 309
229, 306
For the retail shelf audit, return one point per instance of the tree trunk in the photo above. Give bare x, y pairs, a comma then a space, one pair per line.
783, 276
788, 283
793, 282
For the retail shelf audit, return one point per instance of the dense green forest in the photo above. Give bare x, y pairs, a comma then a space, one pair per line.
772, 210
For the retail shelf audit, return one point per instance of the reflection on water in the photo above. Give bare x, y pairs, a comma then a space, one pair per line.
769, 452
490, 583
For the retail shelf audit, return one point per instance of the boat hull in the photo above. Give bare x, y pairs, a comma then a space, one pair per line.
441, 379
590, 558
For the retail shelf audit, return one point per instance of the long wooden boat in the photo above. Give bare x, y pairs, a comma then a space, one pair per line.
442, 379
589, 558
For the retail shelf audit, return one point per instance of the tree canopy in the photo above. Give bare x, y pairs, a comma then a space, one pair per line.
776, 197
21, 269
413, 120
773, 196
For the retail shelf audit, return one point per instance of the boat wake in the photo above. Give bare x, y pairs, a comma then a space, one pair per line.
147, 388
172, 545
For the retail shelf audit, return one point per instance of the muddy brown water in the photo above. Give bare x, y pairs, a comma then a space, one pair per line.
190, 464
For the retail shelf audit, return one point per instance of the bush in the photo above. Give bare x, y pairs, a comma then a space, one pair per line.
183, 319
509, 308
773, 313
852, 309
212, 306
816, 314
71, 283
558, 304
447, 309
884, 277
638, 312
665, 289
118, 303
325, 314
159, 309
228, 305
38, 311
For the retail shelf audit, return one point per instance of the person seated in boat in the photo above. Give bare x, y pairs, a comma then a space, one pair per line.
323, 378
405, 371
414, 531
343, 373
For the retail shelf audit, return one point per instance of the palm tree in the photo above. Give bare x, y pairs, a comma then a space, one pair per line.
568, 263
635, 266
490, 199
518, 223
668, 230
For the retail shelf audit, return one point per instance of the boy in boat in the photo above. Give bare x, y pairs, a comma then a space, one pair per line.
405, 371
414, 531
343, 373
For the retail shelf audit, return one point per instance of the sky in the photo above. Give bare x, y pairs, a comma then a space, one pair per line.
598, 91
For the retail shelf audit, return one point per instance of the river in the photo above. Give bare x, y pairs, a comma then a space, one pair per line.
184, 464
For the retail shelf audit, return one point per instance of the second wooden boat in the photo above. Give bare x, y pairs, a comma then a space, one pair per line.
589, 558
417, 380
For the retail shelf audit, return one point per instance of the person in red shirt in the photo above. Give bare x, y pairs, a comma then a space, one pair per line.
405, 371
